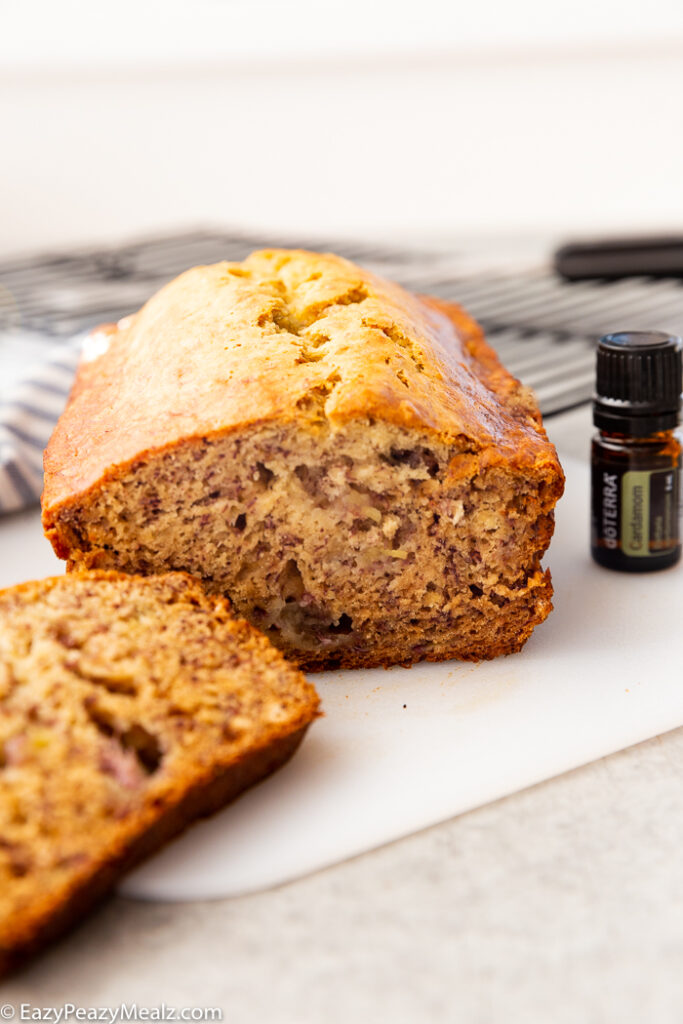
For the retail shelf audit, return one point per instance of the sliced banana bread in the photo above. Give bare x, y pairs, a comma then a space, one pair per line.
129, 706
349, 463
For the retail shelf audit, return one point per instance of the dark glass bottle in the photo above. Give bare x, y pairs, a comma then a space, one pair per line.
636, 455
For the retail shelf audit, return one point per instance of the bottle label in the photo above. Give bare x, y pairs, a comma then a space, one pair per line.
637, 510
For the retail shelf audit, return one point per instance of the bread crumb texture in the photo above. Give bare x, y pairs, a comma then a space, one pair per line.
128, 706
349, 463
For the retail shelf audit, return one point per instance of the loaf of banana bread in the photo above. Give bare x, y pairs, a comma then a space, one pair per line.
348, 462
128, 708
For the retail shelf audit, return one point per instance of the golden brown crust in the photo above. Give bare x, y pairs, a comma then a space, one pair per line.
228, 346
209, 756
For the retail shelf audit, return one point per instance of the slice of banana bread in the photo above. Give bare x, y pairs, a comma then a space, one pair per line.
349, 463
129, 706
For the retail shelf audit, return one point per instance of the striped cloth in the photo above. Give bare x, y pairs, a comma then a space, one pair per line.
27, 417
543, 328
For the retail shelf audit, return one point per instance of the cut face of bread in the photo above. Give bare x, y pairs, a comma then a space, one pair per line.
128, 708
362, 545
349, 464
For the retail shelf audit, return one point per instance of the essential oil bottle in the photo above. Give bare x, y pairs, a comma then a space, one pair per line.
636, 455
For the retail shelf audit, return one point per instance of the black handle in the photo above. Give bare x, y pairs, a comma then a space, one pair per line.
610, 259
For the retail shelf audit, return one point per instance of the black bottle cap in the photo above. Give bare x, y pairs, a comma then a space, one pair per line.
639, 382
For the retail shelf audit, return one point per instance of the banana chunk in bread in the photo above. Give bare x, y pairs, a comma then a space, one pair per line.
348, 462
128, 708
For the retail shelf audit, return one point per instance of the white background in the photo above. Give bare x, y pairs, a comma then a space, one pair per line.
374, 119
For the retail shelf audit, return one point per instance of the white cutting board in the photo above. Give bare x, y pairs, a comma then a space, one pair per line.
402, 749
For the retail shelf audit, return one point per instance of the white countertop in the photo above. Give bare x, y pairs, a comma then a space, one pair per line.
557, 904
573, 136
